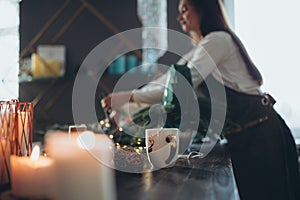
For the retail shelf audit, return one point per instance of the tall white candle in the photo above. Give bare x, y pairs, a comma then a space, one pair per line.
81, 165
33, 177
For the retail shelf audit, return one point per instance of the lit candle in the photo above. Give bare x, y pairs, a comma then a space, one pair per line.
83, 165
32, 177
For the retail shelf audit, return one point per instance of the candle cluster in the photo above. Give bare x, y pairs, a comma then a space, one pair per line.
78, 167
15, 134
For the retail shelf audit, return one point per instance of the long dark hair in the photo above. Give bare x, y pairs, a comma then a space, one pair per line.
213, 19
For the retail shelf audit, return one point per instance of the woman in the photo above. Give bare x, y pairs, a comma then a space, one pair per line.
263, 152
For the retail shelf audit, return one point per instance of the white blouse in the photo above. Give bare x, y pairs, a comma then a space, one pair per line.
216, 54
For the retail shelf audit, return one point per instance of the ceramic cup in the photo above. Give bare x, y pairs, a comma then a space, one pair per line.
162, 146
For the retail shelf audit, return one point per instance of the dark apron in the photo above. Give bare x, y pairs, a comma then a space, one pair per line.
263, 151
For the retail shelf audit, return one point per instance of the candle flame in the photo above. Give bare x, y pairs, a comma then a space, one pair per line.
35, 153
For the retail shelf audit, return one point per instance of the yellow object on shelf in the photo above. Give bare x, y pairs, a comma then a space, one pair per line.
41, 68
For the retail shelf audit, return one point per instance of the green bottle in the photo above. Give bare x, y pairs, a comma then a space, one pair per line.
168, 88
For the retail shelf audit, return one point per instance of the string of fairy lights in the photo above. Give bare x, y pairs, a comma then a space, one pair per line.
120, 137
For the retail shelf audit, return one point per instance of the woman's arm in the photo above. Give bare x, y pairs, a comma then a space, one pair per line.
149, 94
152, 92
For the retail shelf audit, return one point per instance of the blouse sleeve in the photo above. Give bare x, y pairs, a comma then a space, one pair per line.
152, 92
207, 56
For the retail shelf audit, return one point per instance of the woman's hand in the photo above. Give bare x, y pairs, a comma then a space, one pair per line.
116, 100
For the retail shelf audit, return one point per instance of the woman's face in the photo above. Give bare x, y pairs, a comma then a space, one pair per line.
188, 17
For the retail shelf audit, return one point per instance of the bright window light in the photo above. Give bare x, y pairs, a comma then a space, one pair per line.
270, 31
9, 49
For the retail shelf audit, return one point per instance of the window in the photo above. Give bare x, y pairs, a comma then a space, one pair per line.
9, 49
270, 31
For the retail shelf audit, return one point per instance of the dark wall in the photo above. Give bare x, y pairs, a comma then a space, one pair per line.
53, 97
86, 31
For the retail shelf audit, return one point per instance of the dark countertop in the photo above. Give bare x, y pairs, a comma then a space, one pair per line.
208, 178
197, 178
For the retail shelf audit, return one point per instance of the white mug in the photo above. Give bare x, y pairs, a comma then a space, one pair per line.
162, 146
